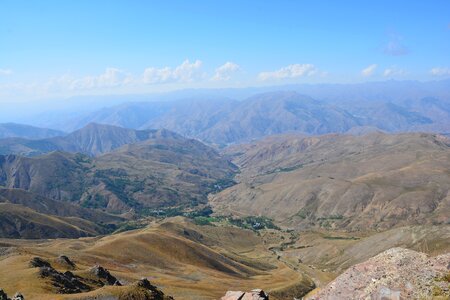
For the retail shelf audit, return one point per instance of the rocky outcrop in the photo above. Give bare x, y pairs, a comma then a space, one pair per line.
142, 290
66, 262
394, 274
65, 283
3, 295
105, 276
89, 280
37, 262
17, 296
156, 294
256, 294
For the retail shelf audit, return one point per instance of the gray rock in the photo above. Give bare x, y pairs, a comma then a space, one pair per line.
65, 261
3, 295
37, 262
18, 296
256, 294
104, 274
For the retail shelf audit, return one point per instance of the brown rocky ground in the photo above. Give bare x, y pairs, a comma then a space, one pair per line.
396, 273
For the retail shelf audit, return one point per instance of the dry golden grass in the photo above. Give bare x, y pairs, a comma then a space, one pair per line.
167, 254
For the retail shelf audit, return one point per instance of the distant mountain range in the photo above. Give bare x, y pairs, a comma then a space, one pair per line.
316, 109
8, 130
93, 139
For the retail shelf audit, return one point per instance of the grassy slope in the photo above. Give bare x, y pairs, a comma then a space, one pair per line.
17, 221
177, 256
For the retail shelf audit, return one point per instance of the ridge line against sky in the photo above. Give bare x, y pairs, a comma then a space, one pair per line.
54, 48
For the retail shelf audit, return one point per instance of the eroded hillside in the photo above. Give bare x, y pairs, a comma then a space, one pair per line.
162, 170
373, 181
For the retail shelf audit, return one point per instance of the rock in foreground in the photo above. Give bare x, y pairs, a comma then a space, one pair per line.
394, 274
17, 296
253, 295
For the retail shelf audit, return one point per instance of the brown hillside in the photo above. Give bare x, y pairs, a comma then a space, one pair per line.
373, 181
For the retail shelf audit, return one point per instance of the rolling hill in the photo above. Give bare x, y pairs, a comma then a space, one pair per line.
49, 206
30, 216
17, 221
374, 181
176, 255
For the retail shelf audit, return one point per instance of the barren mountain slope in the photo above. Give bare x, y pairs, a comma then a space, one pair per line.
48, 206
374, 181
165, 170
272, 113
93, 139
17, 221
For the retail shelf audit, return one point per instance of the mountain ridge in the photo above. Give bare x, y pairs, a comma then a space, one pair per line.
311, 109
164, 170
94, 139
375, 181
15, 130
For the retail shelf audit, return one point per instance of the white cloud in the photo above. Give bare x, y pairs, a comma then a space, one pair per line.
224, 72
440, 71
366, 72
186, 72
5, 72
154, 75
291, 71
112, 77
393, 71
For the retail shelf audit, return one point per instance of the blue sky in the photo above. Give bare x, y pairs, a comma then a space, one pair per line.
63, 48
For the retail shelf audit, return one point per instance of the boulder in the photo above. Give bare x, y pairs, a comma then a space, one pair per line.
256, 294
18, 296
37, 262
65, 261
66, 283
144, 283
3, 295
104, 274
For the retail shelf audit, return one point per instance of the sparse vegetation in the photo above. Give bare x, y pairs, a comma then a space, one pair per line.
328, 237
205, 220
131, 225
253, 223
